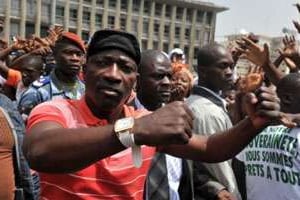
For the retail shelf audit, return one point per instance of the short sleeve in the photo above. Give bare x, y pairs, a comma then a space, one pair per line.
46, 112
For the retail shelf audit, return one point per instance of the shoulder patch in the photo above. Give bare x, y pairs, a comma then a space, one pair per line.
41, 82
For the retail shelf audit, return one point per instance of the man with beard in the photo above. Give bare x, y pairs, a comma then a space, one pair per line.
63, 81
88, 148
215, 73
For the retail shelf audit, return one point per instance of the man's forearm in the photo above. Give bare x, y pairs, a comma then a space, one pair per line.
273, 73
61, 150
218, 147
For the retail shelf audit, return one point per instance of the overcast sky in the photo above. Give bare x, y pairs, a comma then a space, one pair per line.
266, 17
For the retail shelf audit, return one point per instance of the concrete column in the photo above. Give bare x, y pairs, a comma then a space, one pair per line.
140, 21
182, 30
79, 17
213, 27
151, 26
105, 14
23, 19
162, 27
192, 39
172, 28
93, 18
53, 12
118, 14
203, 29
37, 27
7, 20
129, 16
67, 15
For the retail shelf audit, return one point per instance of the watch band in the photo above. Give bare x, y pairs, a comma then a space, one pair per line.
127, 139
122, 129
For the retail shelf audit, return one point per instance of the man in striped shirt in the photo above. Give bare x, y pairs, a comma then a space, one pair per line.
80, 147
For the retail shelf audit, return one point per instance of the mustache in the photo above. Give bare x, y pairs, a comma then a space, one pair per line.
105, 86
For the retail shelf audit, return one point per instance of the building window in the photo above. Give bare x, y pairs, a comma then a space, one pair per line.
156, 28
124, 5
206, 37
111, 21
99, 3
144, 44
98, 19
134, 26
167, 31
187, 33
166, 47
145, 27
136, 5
179, 13
123, 23
189, 15
196, 49
209, 18
112, 4
85, 36
158, 8
186, 51
177, 32
60, 11
73, 14
155, 45
147, 7
200, 15
86, 16
198, 34
168, 11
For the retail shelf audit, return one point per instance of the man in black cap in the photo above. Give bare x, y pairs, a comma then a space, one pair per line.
99, 148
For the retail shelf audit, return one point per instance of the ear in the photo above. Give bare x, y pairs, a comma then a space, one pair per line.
138, 82
84, 71
202, 73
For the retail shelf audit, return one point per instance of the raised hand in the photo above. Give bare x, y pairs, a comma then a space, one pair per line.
296, 24
253, 52
43, 51
171, 124
251, 81
19, 44
290, 52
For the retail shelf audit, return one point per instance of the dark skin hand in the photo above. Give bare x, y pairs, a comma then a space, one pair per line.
260, 56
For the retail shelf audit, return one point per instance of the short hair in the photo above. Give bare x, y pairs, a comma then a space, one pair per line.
289, 83
207, 54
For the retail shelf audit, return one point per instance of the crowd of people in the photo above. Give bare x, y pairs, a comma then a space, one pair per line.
105, 120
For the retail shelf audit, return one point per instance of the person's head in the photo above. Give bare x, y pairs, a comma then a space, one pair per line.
31, 68
69, 53
182, 83
215, 67
177, 56
154, 83
288, 90
111, 71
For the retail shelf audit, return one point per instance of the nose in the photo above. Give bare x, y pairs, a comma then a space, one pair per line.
166, 82
229, 71
75, 57
112, 74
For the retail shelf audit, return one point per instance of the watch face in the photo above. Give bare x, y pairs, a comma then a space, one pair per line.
124, 124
